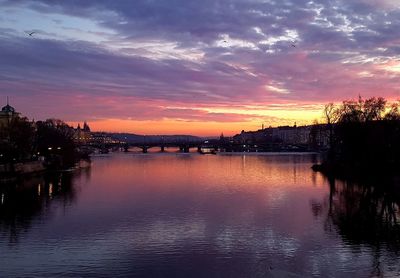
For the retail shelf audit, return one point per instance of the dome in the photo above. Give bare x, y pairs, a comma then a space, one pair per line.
8, 109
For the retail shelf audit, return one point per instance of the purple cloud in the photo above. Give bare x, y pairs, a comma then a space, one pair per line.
158, 54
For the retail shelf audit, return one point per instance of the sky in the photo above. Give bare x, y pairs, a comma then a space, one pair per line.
195, 67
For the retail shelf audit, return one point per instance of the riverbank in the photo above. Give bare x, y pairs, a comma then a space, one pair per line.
358, 172
11, 171
21, 168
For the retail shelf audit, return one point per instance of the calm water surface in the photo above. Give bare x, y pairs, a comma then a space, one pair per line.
190, 215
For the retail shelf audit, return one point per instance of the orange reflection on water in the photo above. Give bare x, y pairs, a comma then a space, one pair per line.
235, 189
187, 170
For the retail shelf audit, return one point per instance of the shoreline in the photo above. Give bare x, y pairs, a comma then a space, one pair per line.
33, 168
217, 153
363, 173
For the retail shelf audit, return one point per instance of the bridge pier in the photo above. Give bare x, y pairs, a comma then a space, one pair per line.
184, 149
144, 147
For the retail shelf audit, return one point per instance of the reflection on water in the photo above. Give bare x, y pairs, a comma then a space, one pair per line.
188, 215
366, 213
26, 198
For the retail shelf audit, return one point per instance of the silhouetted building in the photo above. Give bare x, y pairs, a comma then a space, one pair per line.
253, 137
311, 135
7, 113
82, 135
100, 138
292, 134
86, 127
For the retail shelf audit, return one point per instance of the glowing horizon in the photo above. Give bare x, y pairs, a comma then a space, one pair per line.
256, 118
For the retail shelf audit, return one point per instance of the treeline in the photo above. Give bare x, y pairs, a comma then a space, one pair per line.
364, 136
52, 141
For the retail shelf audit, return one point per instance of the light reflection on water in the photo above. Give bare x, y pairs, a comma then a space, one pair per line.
190, 215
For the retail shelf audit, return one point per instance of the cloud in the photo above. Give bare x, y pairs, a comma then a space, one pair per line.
188, 54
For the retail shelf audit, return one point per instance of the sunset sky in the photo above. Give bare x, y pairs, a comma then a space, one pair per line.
195, 67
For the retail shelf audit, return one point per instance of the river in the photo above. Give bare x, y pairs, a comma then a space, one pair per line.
192, 215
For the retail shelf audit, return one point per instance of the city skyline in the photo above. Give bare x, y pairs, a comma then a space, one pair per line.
153, 67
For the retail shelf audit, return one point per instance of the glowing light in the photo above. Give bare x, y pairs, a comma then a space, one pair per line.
50, 190
392, 67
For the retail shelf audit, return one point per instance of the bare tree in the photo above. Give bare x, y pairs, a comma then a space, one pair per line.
361, 110
373, 108
331, 114
394, 113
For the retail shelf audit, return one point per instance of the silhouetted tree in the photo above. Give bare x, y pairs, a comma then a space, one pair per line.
394, 113
55, 142
16, 140
362, 137
373, 109
360, 110
331, 114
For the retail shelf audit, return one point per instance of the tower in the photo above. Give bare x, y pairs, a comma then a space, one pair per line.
7, 113
86, 127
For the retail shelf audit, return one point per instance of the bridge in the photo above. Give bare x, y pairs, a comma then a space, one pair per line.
182, 146
210, 146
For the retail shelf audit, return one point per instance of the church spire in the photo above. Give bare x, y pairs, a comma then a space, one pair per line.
86, 126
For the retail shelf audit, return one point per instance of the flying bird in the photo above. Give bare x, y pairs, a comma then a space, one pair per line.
31, 33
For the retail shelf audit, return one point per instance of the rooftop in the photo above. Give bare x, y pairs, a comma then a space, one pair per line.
8, 108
